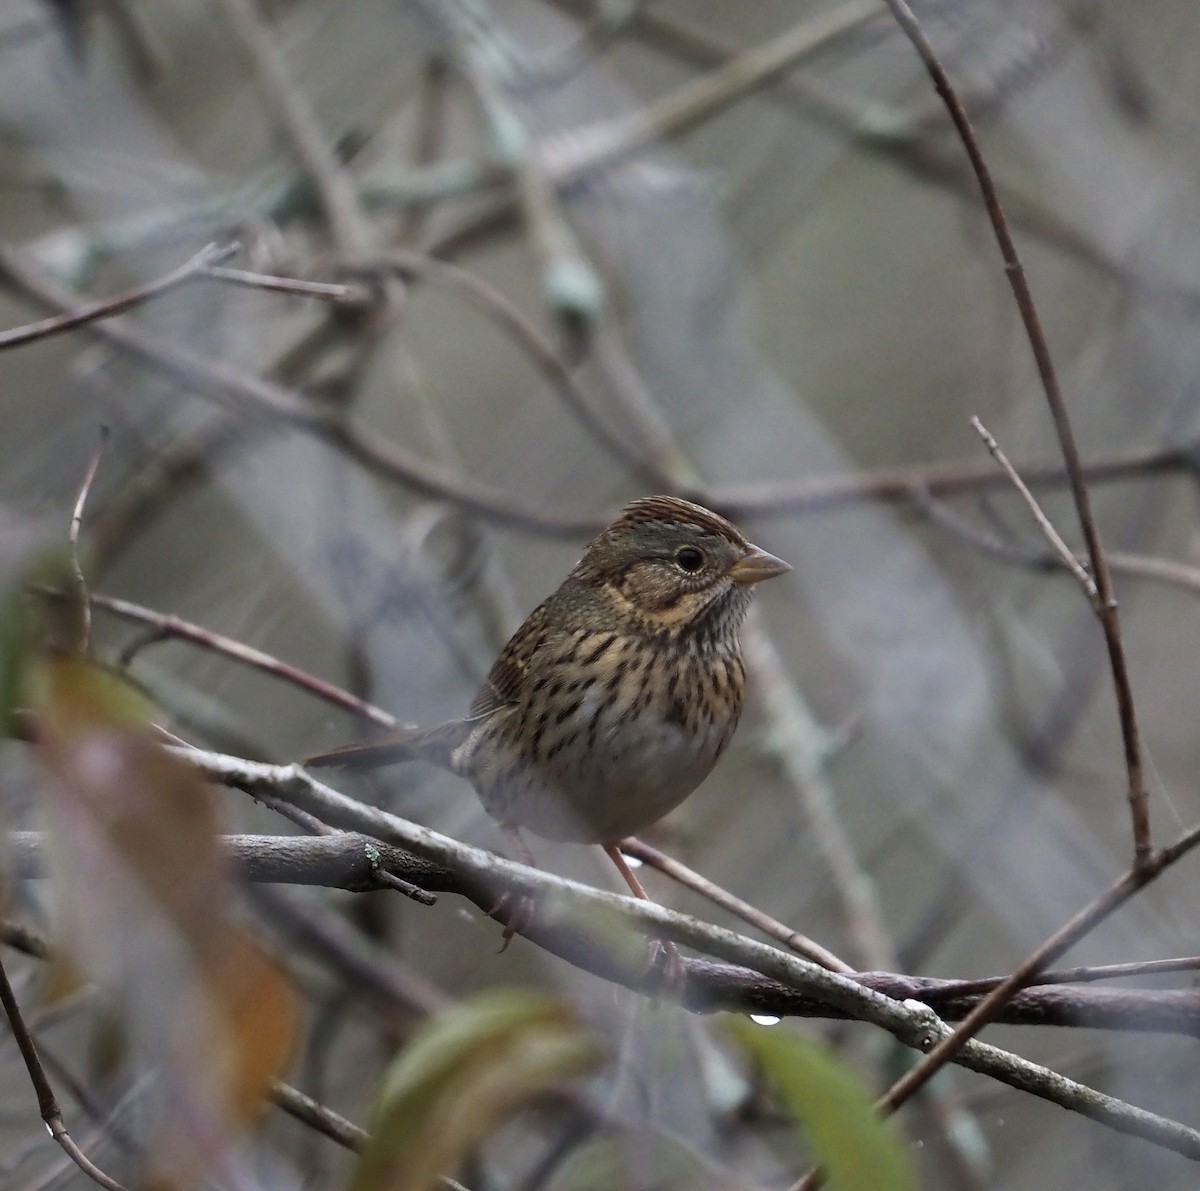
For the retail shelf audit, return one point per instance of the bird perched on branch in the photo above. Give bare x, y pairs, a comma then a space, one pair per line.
614, 699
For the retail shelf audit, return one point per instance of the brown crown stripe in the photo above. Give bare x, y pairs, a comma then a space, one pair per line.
673, 508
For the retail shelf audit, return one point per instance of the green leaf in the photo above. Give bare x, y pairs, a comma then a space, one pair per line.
859, 1150
15, 635
459, 1078
22, 623
635, 1159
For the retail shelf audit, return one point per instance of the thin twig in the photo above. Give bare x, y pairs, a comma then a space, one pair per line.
772, 927
1085, 921
299, 286
81, 597
542, 353
1106, 603
1084, 974
904, 485
351, 233
47, 1103
701, 99
166, 625
1051, 534
319, 1117
87, 313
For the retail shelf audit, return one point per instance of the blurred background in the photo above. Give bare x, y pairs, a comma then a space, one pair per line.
768, 284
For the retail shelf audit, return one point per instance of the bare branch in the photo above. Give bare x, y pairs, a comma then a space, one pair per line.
488, 299
481, 874
703, 98
317, 1116
299, 287
1106, 602
351, 232
47, 1102
81, 597
1051, 534
780, 931
1066, 936
85, 313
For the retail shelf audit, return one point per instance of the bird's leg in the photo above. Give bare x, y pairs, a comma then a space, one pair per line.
518, 918
674, 972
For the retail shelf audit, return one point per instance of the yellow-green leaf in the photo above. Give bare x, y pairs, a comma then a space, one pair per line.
859, 1150
470, 1069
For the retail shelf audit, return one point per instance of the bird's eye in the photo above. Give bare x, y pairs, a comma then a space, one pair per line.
689, 559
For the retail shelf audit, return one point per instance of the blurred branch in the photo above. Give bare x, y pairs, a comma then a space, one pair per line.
909, 147
23, 938
254, 395
247, 393
602, 145
84, 313
81, 600
351, 233
48, 1108
571, 286
327, 934
539, 350
145, 494
430, 139
800, 747
317, 1116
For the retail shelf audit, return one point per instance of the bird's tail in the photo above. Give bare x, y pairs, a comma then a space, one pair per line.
435, 745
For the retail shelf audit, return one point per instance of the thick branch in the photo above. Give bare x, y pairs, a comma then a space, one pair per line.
349, 860
574, 936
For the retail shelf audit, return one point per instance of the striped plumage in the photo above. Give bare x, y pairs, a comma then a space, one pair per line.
615, 698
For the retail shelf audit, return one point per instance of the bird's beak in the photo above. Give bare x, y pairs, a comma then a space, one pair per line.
756, 565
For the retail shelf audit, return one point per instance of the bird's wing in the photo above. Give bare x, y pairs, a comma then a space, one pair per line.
506, 679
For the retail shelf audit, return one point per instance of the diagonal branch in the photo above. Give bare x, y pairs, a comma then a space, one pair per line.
84, 313
47, 1101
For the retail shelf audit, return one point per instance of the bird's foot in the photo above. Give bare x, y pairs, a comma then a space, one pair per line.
516, 911
667, 964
